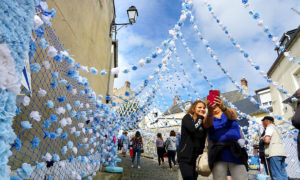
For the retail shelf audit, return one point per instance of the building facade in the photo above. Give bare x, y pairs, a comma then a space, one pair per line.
286, 73
84, 28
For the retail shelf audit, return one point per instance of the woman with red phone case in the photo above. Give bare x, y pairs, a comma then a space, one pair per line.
224, 151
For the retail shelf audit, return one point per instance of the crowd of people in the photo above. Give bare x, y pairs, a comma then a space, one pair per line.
212, 127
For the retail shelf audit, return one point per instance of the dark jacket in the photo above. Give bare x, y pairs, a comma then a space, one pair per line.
192, 139
296, 118
215, 149
296, 123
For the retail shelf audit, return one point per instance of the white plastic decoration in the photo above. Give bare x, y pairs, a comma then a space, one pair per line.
74, 91
48, 157
63, 122
51, 51
115, 71
26, 101
60, 110
8, 76
84, 69
46, 64
142, 62
80, 125
37, 22
74, 150
35, 115
42, 92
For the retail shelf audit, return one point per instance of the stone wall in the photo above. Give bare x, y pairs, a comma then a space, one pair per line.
84, 28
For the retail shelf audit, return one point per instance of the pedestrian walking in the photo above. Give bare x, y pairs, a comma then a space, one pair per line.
125, 143
193, 135
224, 151
171, 147
137, 145
274, 149
160, 149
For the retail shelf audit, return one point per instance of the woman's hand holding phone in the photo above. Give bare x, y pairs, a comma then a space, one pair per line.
218, 102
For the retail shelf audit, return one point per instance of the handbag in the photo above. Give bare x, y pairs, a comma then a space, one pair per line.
264, 175
202, 166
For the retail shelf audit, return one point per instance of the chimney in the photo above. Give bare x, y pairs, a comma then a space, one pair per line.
127, 84
244, 84
175, 100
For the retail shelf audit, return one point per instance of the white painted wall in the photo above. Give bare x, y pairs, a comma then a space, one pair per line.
287, 74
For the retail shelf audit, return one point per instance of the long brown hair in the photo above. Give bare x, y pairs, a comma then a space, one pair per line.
159, 136
193, 107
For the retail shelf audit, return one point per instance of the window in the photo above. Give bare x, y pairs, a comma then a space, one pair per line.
270, 102
265, 104
155, 114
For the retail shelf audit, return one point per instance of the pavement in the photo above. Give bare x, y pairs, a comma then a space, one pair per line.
149, 171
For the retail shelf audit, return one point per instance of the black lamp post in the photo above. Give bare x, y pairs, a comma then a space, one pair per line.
132, 13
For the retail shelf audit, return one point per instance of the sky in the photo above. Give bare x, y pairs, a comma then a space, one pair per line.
157, 17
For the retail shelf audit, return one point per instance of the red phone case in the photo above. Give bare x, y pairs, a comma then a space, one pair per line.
212, 95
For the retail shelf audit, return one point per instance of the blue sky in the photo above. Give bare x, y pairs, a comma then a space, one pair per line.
157, 17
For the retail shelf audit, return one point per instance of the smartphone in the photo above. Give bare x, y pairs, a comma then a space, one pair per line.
212, 95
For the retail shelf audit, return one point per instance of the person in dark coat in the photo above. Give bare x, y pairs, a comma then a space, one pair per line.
193, 135
296, 120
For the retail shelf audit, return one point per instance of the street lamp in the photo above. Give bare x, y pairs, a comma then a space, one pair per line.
132, 13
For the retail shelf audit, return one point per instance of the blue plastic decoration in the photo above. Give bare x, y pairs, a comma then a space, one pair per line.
53, 118
70, 144
17, 144
53, 84
47, 124
26, 125
64, 150
35, 142
50, 104
93, 70
69, 60
58, 131
73, 113
35, 67
55, 158
134, 68
40, 32
52, 135
68, 107
69, 87
25, 171
63, 82
58, 57
64, 136
54, 75
103, 72
61, 98
127, 93
77, 103
43, 43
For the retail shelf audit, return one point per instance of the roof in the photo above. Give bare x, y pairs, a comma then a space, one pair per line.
262, 89
175, 109
292, 34
231, 96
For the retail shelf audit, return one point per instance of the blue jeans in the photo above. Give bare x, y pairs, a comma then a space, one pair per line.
138, 151
277, 167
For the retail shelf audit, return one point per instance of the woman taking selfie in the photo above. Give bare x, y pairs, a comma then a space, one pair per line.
224, 151
192, 142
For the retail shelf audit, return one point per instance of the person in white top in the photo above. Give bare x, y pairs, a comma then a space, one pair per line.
274, 149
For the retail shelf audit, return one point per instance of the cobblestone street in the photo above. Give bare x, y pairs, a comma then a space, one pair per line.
150, 171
